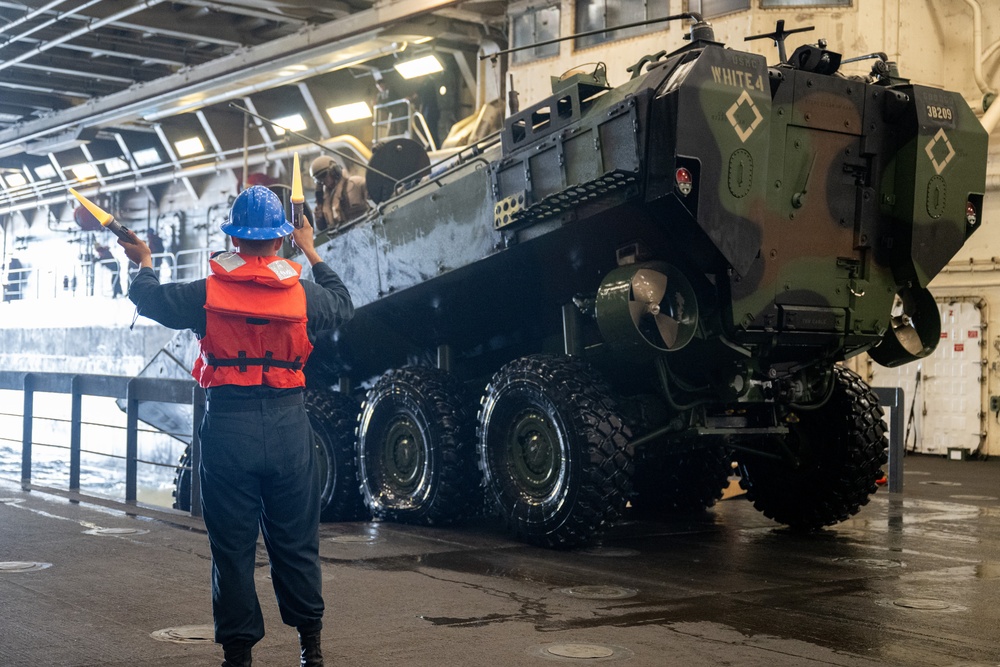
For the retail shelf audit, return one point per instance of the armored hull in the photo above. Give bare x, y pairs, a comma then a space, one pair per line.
631, 288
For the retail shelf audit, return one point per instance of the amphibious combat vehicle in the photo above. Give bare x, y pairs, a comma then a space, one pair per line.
633, 287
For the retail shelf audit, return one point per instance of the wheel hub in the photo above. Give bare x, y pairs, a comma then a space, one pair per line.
534, 453
403, 455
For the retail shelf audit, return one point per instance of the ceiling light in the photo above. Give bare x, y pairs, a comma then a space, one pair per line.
295, 123
15, 180
411, 69
186, 147
146, 157
348, 112
116, 165
83, 171
45, 172
422, 40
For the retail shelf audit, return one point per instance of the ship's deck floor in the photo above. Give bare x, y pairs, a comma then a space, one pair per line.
913, 580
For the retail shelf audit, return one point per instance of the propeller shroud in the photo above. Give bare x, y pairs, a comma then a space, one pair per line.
647, 307
914, 329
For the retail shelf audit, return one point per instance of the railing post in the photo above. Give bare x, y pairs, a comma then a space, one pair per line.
892, 397
26, 435
75, 420
131, 442
198, 402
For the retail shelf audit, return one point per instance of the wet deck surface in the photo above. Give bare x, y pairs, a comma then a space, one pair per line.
914, 579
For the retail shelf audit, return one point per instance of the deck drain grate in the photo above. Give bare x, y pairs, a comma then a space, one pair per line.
878, 563
114, 532
580, 651
186, 634
353, 539
22, 566
599, 592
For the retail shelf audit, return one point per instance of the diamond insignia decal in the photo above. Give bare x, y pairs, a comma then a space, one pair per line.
744, 132
932, 144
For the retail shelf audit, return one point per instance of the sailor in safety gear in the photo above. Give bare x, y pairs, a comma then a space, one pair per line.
256, 320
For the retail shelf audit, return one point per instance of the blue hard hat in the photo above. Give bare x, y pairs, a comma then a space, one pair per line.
257, 214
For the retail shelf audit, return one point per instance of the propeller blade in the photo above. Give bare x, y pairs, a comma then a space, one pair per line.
637, 309
649, 286
668, 327
909, 339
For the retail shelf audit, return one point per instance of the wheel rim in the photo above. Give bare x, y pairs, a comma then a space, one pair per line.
325, 468
533, 447
403, 456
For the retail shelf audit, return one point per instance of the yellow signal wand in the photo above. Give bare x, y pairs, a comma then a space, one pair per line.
298, 199
106, 219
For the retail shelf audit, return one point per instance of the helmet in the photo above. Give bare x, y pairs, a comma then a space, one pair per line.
257, 214
323, 164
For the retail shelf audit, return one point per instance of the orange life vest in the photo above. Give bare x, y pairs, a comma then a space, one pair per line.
255, 333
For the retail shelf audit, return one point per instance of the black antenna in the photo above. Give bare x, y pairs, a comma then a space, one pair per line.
687, 15
779, 36
339, 154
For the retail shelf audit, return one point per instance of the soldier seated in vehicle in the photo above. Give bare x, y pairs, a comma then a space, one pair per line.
338, 198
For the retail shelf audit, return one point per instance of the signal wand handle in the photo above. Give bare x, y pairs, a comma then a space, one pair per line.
298, 211
119, 231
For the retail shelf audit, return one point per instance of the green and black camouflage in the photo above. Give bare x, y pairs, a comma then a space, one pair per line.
704, 243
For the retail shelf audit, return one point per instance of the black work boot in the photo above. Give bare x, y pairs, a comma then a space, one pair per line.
312, 648
237, 655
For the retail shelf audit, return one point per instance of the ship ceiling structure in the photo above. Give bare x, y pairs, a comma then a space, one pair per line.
90, 90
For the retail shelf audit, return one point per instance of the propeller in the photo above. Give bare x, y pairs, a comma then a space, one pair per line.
906, 333
646, 309
914, 329
653, 310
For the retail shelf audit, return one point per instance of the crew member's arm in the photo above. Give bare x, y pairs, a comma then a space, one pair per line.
174, 305
328, 303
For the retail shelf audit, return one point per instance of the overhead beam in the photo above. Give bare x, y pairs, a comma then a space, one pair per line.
231, 70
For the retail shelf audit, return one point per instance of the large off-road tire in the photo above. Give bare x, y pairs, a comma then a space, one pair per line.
554, 451
839, 448
334, 419
416, 448
668, 483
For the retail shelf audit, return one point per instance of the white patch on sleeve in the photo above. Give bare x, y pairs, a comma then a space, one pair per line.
229, 261
282, 269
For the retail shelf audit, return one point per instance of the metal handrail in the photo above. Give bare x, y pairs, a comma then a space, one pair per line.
134, 390
90, 279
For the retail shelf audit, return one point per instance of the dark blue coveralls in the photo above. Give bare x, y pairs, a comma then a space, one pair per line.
257, 470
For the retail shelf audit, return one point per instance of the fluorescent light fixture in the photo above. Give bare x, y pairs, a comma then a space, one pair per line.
295, 123
83, 171
422, 40
116, 165
15, 180
45, 172
191, 146
411, 69
146, 157
348, 112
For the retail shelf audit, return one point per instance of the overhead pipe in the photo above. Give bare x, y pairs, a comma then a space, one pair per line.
29, 16
273, 82
977, 47
90, 27
31, 31
307, 43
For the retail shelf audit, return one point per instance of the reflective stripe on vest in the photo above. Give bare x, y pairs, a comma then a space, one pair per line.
255, 334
